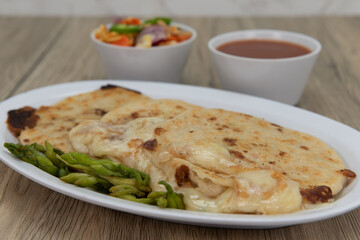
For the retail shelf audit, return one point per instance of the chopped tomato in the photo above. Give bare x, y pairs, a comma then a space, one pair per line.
183, 37
173, 29
172, 38
131, 21
123, 41
178, 38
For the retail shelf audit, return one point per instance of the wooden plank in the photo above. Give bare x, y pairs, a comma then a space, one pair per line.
334, 88
61, 51
72, 58
24, 41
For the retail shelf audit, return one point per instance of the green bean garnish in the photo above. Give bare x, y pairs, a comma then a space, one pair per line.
102, 175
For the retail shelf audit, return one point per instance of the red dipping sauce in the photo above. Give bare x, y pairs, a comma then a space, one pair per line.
261, 48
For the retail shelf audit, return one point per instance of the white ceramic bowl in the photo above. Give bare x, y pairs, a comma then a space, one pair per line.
163, 63
281, 79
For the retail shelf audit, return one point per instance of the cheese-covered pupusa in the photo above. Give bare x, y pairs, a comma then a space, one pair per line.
53, 123
221, 161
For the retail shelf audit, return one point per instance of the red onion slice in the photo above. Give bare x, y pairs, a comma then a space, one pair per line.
157, 32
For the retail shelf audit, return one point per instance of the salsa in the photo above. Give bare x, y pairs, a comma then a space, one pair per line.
263, 48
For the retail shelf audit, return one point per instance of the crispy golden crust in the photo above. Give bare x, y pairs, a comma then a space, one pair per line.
317, 194
21, 118
53, 123
150, 144
182, 175
348, 173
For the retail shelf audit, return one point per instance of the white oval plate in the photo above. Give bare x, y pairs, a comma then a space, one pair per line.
343, 139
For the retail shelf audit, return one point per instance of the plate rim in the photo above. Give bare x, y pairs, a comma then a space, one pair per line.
180, 216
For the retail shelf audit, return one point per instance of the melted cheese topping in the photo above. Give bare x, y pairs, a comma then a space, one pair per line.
217, 182
254, 192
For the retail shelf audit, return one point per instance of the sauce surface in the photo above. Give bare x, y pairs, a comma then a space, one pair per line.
261, 48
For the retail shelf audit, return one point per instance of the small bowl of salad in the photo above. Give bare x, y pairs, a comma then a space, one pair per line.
154, 49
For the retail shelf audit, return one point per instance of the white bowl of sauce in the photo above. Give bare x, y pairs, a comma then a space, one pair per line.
266, 63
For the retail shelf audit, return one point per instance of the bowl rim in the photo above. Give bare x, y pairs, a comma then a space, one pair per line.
315, 52
157, 48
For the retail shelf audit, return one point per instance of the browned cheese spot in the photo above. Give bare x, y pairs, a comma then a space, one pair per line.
99, 112
158, 131
45, 108
272, 162
247, 115
245, 151
62, 128
237, 154
212, 118
191, 131
230, 141
347, 173
26, 140
114, 135
20, 118
236, 130
280, 129
110, 86
304, 147
154, 113
150, 144
276, 125
182, 175
179, 107
281, 153
135, 115
317, 194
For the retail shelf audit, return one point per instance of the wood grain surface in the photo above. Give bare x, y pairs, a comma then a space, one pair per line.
37, 52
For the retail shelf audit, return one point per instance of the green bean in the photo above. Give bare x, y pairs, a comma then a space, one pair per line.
155, 20
63, 172
156, 195
38, 147
103, 167
80, 179
139, 200
46, 165
18, 151
101, 170
126, 28
101, 175
125, 190
179, 201
171, 202
86, 180
174, 200
127, 181
162, 202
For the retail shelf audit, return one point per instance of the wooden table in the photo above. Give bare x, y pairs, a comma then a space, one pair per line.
37, 52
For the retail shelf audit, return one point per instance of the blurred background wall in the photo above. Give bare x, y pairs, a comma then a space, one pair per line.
180, 7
